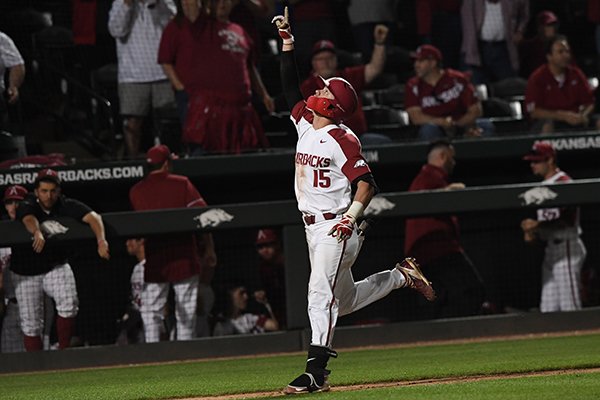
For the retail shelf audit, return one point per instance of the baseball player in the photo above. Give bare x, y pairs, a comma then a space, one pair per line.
46, 268
181, 261
132, 330
559, 228
12, 337
328, 162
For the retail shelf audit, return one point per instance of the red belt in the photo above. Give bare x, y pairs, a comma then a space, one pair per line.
310, 219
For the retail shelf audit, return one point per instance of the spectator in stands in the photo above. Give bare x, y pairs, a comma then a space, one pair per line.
365, 15
131, 323
435, 242
10, 59
325, 66
178, 260
11, 338
46, 269
438, 24
271, 268
559, 228
491, 31
532, 51
442, 102
137, 26
220, 117
237, 320
558, 95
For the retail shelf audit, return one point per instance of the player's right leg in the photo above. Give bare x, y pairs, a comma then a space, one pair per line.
186, 304
153, 299
60, 285
30, 295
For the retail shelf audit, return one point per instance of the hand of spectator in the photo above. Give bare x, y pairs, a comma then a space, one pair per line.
573, 118
261, 297
447, 122
517, 37
455, 186
529, 225
13, 94
38, 241
473, 131
283, 26
269, 103
103, 249
380, 33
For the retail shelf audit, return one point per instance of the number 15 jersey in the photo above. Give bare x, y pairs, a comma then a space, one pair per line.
327, 161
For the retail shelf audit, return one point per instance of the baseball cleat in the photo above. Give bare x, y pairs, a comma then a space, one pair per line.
415, 278
306, 383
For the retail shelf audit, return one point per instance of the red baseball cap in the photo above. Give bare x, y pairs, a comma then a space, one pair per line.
265, 236
158, 154
48, 174
547, 18
15, 192
541, 151
323, 45
427, 51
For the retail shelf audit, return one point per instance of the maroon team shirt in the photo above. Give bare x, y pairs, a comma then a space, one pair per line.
209, 56
356, 77
431, 237
452, 95
544, 91
175, 257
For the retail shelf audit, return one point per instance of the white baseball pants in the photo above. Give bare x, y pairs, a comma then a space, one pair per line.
561, 273
29, 290
154, 298
331, 288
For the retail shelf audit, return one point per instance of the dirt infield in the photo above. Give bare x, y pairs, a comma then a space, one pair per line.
437, 381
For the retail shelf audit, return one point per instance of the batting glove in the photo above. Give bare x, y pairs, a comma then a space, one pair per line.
283, 26
343, 229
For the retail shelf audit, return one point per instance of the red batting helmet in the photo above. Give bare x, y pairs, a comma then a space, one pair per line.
342, 106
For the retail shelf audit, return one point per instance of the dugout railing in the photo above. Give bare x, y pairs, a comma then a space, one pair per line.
491, 235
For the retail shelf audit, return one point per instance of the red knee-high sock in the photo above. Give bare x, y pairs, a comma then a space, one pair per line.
64, 331
33, 343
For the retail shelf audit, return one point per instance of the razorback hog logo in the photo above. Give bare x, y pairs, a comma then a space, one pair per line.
537, 195
52, 228
378, 205
212, 218
360, 163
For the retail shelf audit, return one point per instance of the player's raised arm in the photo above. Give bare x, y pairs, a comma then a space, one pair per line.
289, 72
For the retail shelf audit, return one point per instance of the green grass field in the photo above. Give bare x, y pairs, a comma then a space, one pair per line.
401, 364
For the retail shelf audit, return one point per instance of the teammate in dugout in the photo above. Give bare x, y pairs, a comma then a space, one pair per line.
11, 338
46, 269
328, 163
559, 227
182, 261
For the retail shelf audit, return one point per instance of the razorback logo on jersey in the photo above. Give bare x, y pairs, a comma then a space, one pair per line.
360, 163
537, 195
313, 160
52, 228
378, 205
212, 218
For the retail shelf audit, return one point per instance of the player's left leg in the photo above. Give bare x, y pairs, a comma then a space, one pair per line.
186, 304
550, 292
568, 274
60, 285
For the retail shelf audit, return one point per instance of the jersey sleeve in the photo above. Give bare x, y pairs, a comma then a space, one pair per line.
532, 93
193, 197
411, 97
587, 94
26, 207
76, 209
350, 159
468, 97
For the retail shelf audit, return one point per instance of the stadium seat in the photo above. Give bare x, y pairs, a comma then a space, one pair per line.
509, 89
387, 120
392, 96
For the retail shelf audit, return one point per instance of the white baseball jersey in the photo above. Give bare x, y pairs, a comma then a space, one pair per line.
327, 161
549, 214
